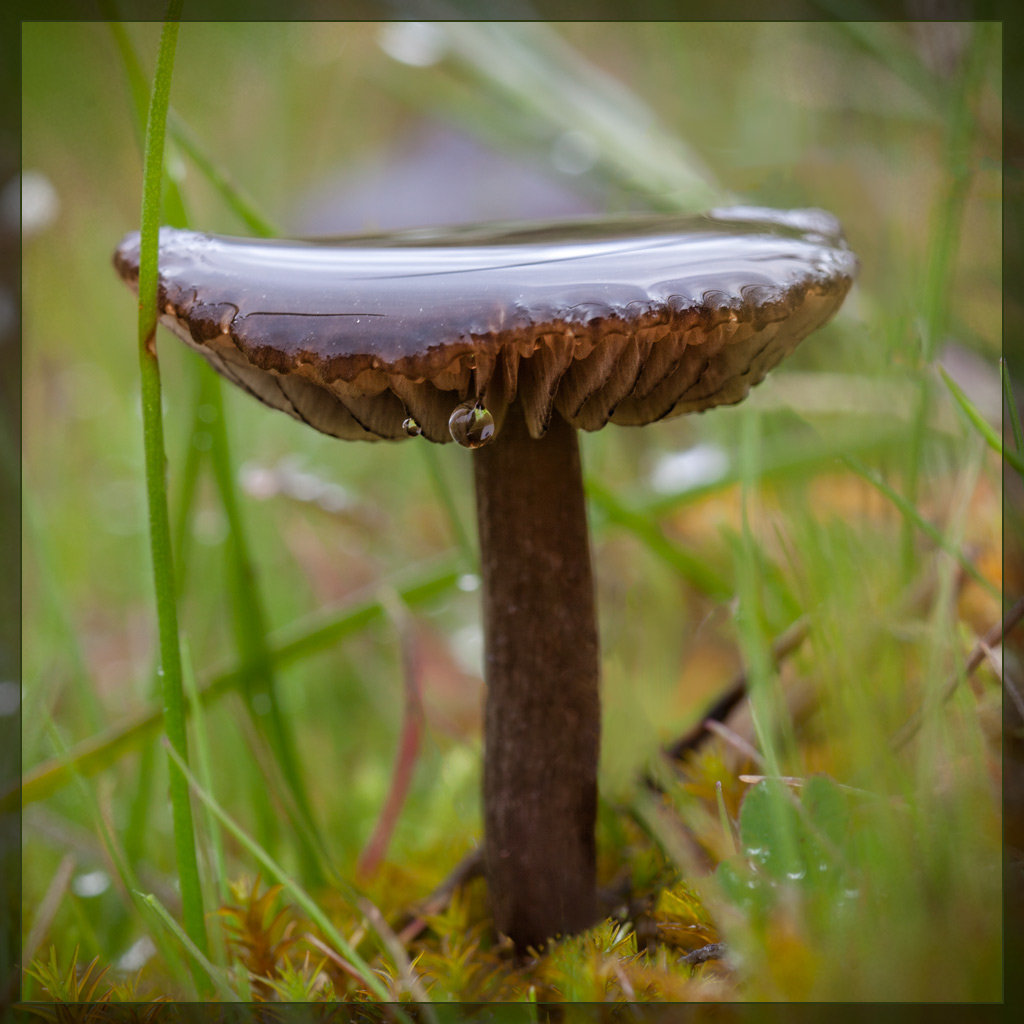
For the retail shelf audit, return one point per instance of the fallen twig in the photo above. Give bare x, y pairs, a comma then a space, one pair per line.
471, 866
783, 646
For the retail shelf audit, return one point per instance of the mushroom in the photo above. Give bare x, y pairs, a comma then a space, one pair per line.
509, 340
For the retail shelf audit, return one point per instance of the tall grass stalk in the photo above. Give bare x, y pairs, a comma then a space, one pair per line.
983, 427
198, 959
767, 706
537, 73
156, 486
913, 518
249, 618
204, 763
260, 687
117, 857
302, 640
943, 245
274, 870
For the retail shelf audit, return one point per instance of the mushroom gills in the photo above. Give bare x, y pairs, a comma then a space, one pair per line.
625, 320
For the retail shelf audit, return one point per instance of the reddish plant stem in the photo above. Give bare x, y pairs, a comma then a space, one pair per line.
542, 718
405, 761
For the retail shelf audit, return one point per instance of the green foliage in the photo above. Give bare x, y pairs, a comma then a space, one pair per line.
170, 671
261, 933
459, 961
88, 983
304, 982
856, 499
801, 844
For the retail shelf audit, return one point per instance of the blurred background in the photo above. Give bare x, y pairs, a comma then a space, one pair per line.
337, 128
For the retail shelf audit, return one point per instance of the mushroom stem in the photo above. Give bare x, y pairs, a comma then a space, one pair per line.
542, 719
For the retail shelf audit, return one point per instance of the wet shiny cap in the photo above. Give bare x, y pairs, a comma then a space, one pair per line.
624, 320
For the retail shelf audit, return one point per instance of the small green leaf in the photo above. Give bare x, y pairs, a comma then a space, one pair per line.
769, 826
827, 809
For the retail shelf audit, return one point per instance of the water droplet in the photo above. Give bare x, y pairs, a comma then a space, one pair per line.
91, 883
471, 425
411, 427
137, 955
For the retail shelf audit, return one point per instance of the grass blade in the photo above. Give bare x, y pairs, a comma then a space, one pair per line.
122, 864
204, 764
537, 72
233, 197
275, 871
159, 522
944, 243
150, 902
691, 568
187, 141
249, 619
984, 428
300, 641
173, 202
914, 518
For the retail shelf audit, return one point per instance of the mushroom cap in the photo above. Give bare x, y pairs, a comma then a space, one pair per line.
623, 320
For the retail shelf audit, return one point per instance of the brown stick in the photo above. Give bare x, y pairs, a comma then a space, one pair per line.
783, 646
542, 720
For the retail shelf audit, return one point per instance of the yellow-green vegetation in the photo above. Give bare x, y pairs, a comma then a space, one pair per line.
834, 543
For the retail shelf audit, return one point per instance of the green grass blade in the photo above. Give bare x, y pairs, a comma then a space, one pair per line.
118, 858
984, 428
188, 477
754, 643
186, 140
249, 619
769, 714
691, 568
914, 518
299, 641
204, 765
537, 72
947, 217
275, 871
159, 524
173, 202
214, 976
944, 243
233, 197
